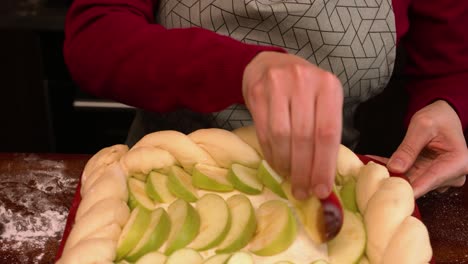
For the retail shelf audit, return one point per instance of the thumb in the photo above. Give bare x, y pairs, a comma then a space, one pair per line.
416, 138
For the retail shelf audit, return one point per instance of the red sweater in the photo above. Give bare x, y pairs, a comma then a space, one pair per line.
113, 49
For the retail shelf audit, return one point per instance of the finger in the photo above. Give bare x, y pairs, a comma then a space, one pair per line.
380, 159
458, 182
435, 176
258, 107
419, 134
280, 124
442, 189
302, 125
327, 133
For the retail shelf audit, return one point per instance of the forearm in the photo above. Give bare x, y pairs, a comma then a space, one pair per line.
113, 50
438, 56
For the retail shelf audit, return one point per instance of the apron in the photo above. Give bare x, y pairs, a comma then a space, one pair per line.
354, 39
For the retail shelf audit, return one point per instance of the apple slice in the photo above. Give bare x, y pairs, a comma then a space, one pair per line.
270, 178
364, 260
215, 221
152, 258
185, 225
155, 235
348, 195
333, 215
186, 256
320, 261
322, 219
156, 188
211, 178
245, 179
276, 229
240, 258
218, 259
180, 184
132, 231
137, 195
287, 262
243, 224
350, 243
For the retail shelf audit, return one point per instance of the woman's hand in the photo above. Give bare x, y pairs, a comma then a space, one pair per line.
433, 153
297, 109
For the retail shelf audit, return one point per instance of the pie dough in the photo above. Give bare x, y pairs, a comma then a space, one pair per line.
386, 203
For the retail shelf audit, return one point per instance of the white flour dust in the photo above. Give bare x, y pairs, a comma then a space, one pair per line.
32, 207
31, 229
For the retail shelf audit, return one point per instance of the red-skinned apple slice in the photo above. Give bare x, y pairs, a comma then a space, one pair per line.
322, 218
332, 215
331, 210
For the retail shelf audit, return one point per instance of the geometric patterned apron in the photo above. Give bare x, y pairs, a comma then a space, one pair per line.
354, 39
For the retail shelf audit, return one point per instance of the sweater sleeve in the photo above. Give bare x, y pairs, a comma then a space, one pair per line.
114, 50
437, 46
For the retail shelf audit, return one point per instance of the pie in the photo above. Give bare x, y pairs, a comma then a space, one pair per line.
210, 197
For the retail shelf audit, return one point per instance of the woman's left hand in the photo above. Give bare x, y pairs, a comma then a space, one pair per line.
433, 154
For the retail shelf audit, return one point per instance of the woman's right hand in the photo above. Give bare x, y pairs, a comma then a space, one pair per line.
297, 110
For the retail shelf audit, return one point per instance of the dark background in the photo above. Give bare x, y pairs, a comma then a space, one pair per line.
37, 112
37, 102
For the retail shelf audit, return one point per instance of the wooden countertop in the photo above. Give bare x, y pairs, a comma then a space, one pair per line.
36, 191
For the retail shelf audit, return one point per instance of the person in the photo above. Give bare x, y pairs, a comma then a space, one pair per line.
300, 67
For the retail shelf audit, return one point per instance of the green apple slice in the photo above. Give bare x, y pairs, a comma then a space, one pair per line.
309, 213
211, 178
240, 258
186, 256
157, 189
243, 224
152, 258
245, 179
121, 262
132, 231
276, 229
285, 262
364, 260
348, 195
350, 243
180, 184
185, 225
217, 259
137, 195
215, 221
320, 261
155, 235
270, 178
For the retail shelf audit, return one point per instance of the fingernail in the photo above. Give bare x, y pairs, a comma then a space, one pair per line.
321, 191
396, 164
300, 194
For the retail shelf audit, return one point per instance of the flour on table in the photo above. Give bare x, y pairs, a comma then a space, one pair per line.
32, 208
31, 229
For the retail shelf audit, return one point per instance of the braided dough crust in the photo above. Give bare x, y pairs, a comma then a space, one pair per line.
385, 202
187, 152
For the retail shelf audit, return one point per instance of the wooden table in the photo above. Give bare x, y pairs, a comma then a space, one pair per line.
36, 191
